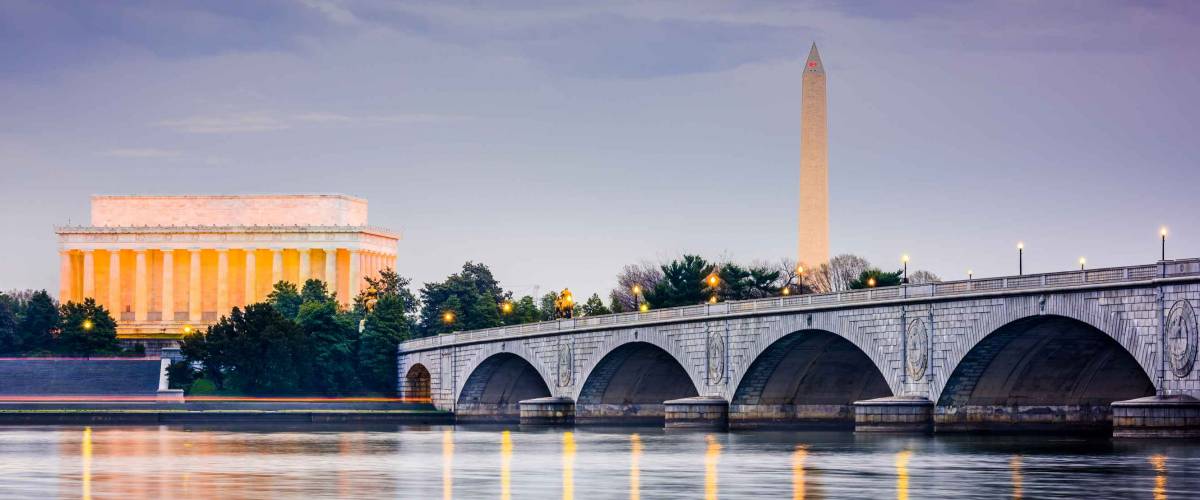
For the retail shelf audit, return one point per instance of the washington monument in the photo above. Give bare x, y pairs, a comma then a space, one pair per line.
814, 166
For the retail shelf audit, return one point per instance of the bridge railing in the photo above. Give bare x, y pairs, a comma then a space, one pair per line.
1163, 269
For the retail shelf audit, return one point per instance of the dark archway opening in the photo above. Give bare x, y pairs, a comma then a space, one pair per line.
496, 387
416, 388
810, 378
629, 385
1042, 373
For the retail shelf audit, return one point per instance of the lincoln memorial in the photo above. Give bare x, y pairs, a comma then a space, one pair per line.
166, 264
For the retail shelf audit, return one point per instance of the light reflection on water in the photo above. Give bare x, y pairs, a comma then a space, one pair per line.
483, 462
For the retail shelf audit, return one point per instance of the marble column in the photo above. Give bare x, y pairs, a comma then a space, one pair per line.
168, 285
141, 294
305, 266
355, 278
251, 277
114, 283
194, 286
89, 274
331, 269
222, 282
276, 266
64, 276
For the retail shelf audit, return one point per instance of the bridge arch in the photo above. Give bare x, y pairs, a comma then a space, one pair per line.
1082, 309
497, 379
1041, 371
417, 384
806, 378
828, 321
629, 383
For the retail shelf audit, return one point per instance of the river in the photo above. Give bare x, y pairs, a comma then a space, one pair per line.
650, 463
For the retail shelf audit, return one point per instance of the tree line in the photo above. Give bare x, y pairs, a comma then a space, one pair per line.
33, 324
299, 341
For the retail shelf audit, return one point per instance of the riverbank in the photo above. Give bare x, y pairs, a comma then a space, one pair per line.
154, 413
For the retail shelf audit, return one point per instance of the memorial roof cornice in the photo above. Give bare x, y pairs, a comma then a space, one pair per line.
380, 231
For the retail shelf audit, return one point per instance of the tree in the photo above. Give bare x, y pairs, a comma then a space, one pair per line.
285, 298
332, 340
39, 324
86, 329
524, 311
682, 283
923, 277
594, 306
546, 306
387, 326
10, 338
644, 275
389, 283
473, 296
881, 279
837, 274
258, 351
314, 290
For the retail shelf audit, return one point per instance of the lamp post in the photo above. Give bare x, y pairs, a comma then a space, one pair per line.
87, 325
970, 275
1082, 262
1163, 232
713, 280
637, 297
448, 318
800, 272
871, 282
904, 259
1020, 258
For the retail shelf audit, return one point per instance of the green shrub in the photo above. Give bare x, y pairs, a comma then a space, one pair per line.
202, 386
180, 375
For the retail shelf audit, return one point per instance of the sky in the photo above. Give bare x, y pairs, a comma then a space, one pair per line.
558, 141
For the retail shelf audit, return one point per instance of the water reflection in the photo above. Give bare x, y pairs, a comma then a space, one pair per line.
85, 454
568, 465
1015, 465
1160, 476
798, 457
447, 464
902, 474
130, 463
506, 451
711, 455
635, 452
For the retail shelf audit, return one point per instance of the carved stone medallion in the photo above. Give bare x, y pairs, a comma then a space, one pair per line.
1181, 338
716, 356
917, 348
566, 363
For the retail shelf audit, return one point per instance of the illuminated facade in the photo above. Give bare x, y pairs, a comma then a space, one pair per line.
162, 264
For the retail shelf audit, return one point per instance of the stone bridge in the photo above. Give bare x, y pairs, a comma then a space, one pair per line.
1048, 351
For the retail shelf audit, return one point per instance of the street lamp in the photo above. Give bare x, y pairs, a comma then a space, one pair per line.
871, 282
1163, 232
87, 325
1082, 262
187, 329
506, 307
1020, 258
970, 275
800, 272
637, 297
448, 317
713, 280
904, 259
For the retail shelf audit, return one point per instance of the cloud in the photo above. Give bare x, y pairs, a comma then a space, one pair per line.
227, 124
147, 153
267, 122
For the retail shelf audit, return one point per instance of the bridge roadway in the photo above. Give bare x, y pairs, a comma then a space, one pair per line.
1034, 352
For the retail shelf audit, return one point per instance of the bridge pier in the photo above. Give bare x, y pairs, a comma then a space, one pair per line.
697, 413
894, 414
1157, 417
548, 411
